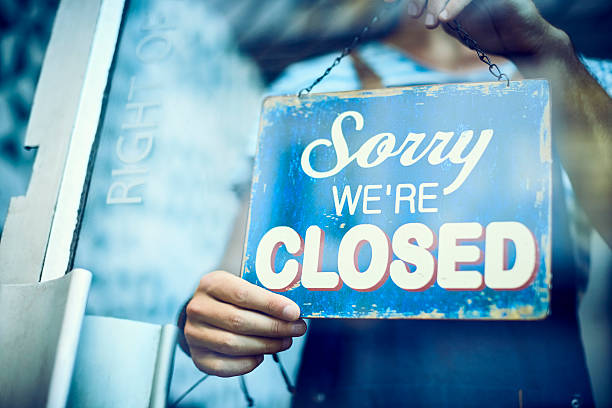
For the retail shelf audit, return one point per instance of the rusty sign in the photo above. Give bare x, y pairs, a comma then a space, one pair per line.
418, 202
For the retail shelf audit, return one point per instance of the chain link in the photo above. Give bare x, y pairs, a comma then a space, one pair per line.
348, 49
454, 26
469, 42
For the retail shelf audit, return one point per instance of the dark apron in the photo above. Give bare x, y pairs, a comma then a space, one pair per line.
455, 363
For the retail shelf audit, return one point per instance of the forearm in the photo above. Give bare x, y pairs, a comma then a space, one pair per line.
581, 126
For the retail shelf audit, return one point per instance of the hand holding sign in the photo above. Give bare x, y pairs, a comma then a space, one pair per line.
511, 28
231, 324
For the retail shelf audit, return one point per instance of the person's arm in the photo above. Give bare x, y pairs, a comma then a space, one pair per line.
581, 109
582, 129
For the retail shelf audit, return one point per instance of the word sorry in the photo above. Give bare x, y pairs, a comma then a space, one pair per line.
412, 243
383, 145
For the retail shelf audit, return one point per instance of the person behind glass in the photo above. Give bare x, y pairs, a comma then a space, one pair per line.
230, 324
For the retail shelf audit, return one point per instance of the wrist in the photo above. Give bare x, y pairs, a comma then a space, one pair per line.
556, 46
554, 52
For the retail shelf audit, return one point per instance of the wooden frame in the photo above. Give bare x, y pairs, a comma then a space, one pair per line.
41, 226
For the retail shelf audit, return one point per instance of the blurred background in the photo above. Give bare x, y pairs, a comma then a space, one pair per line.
224, 56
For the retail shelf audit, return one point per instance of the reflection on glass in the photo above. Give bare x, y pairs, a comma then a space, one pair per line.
174, 142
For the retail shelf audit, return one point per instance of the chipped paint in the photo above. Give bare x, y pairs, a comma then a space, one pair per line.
434, 314
513, 313
545, 138
539, 198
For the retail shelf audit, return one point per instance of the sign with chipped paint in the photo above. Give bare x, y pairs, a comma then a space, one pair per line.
417, 202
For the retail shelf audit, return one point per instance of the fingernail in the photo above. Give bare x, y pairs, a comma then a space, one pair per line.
286, 343
412, 9
429, 19
297, 329
291, 312
444, 15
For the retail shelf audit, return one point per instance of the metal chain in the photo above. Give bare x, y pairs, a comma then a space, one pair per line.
183, 395
473, 45
290, 386
454, 26
348, 49
245, 391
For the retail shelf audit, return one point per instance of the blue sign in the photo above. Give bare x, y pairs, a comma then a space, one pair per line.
420, 202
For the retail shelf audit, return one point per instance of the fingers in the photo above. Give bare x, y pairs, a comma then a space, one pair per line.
232, 323
436, 11
434, 7
242, 321
224, 366
452, 10
203, 335
415, 7
234, 290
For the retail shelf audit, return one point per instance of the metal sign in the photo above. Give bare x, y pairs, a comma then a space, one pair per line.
419, 202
